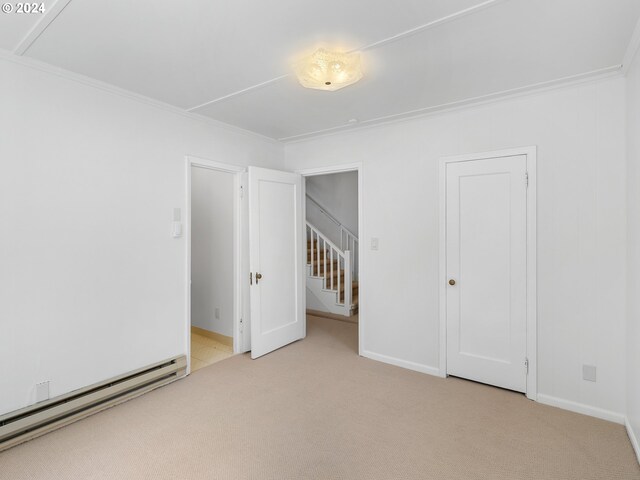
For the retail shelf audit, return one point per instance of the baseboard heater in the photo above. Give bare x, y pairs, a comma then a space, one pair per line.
43, 417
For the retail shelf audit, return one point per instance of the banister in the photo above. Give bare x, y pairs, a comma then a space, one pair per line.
329, 242
330, 216
345, 262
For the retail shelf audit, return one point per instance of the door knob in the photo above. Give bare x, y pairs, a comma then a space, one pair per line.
258, 277
451, 282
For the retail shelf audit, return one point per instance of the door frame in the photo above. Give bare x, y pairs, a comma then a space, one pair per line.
531, 309
239, 340
362, 265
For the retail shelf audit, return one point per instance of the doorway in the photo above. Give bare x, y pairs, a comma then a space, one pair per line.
214, 259
488, 317
333, 247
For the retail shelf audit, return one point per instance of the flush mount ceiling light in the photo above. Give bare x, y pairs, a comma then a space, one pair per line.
329, 70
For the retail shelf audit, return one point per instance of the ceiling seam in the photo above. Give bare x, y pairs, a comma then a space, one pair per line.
399, 36
239, 92
39, 28
90, 82
632, 48
432, 24
593, 76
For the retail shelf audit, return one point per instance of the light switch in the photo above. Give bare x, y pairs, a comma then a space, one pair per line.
177, 229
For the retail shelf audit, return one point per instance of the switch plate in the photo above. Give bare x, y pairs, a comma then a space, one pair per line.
374, 243
589, 373
177, 229
218, 312
42, 391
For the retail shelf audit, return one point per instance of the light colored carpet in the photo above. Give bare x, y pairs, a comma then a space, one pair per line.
315, 410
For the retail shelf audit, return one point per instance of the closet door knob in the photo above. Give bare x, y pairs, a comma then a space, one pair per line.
452, 282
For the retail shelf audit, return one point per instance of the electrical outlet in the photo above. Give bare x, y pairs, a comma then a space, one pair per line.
42, 391
589, 373
374, 243
217, 312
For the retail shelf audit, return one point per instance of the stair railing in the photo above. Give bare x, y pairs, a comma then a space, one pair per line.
326, 259
349, 242
348, 239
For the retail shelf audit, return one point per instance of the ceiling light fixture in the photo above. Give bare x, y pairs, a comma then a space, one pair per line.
329, 70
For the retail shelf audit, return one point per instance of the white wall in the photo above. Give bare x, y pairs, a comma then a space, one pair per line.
92, 284
212, 250
633, 265
580, 135
338, 194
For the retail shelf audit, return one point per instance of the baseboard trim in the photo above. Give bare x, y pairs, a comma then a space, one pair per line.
632, 437
582, 408
218, 337
332, 316
418, 367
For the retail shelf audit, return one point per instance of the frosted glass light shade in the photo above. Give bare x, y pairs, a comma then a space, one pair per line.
327, 70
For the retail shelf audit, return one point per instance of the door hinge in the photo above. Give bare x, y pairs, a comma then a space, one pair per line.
526, 365
250, 278
241, 325
241, 191
526, 178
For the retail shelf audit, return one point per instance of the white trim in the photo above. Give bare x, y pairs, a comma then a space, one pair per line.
581, 408
237, 171
41, 25
344, 167
121, 92
632, 437
418, 367
432, 24
347, 167
532, 331
235, 94
632, 49
536, 88
379, 43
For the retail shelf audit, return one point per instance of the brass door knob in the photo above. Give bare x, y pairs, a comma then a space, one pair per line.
258, 277
452, 282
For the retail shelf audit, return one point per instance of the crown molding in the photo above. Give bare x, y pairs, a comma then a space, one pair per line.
121, 92
593, 76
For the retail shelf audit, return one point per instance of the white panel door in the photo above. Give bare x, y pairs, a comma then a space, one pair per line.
276, 259
486, 253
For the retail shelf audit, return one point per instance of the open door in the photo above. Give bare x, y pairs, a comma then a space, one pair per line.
276, 259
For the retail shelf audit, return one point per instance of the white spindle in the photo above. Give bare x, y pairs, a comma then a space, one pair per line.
311, 249
331, 282
338, 277
324, 260
318, 254
348, 286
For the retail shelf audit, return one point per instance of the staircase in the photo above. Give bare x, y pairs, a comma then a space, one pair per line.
332, 272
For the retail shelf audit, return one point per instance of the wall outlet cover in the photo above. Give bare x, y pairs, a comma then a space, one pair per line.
42, 391
589, 373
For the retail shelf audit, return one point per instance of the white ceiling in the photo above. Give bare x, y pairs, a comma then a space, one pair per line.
230, 60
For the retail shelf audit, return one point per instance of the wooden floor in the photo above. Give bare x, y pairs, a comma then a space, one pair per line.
207, 351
